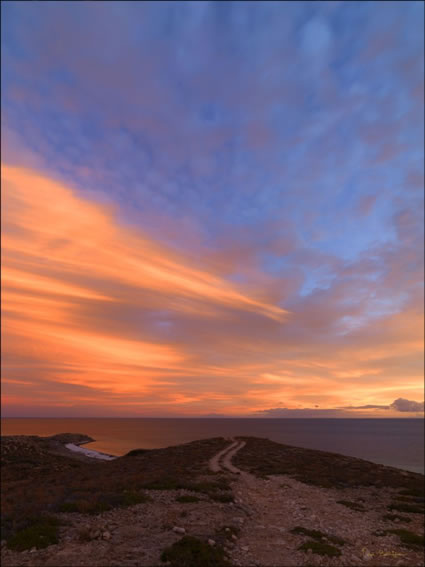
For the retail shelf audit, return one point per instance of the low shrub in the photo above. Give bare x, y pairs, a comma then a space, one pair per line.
352, 505
317, 535
132, 497
84, 535
404, 507
394, 517
320, 548
408, 538
415, 492
136, 452
221, 497
186, 498
92, 507
40, 534
192, 552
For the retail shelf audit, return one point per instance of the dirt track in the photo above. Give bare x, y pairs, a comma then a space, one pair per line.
223, 459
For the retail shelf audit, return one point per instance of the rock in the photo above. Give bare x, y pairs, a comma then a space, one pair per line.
178, 530
33, 549
234, 536
211, 542
225, 529
245, 548
106, 535
397, 520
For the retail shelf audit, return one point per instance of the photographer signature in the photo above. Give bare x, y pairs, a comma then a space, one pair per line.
370, 554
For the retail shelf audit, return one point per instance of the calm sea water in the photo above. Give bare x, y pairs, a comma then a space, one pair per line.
395, 442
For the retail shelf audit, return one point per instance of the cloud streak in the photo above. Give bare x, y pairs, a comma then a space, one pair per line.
212, 207
399, 405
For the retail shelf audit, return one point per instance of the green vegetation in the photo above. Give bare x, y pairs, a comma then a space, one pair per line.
352, 505
132, 497
84, 535
408, 538
39, 534
317, 535
192, 552
405, 499
394, 517
221, 497
164, 483
320, 548
92, 507
98, 503
35, 479
187, 498
264, 457
136, 452
408, 508
218, 490
415, 492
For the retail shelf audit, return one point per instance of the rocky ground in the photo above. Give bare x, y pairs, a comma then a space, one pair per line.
249, 518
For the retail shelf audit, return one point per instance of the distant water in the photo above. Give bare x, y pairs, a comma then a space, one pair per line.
395, 442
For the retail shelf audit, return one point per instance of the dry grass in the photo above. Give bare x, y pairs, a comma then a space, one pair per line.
34, 480
318, 535
263, 457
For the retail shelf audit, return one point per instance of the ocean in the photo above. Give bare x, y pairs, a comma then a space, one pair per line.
395, 442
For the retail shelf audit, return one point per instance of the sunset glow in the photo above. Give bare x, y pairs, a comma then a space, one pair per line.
224, 239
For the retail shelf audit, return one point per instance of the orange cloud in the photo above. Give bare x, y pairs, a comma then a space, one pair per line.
63, 255
99, 315
50, 222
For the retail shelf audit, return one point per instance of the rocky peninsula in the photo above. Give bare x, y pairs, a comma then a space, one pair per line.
215, 502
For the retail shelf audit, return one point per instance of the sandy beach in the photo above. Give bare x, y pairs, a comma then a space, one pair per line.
89, 452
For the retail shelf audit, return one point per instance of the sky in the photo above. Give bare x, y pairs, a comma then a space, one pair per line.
212, 208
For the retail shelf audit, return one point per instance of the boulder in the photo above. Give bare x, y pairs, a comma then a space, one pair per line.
178, 530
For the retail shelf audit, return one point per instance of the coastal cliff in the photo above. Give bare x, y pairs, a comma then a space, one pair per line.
216, 502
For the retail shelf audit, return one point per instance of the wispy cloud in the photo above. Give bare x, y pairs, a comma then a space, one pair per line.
212, 207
